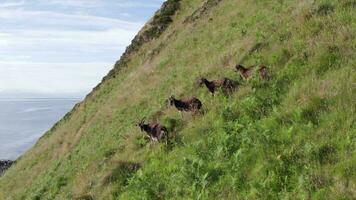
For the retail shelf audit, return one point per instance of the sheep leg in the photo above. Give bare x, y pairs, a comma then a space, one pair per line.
165, 135
154, 139
167, 140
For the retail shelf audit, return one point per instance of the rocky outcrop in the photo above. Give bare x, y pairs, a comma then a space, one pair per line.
4, 165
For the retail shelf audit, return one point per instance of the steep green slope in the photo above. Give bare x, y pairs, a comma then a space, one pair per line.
291, 137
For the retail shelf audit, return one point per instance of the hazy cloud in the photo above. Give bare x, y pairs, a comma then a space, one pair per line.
65, 45
13, 3
51, 77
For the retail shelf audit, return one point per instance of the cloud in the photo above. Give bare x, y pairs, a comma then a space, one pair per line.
98, 3
61, 20
74, 3
57, 36
139, 4
51, 77
8, 4
125, 14
65, 45
61, 46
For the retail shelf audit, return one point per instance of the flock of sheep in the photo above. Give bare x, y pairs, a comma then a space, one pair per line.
157, 132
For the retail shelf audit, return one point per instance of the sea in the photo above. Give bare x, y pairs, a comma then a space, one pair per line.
24, 121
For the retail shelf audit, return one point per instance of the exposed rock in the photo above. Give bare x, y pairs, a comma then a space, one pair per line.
4, 165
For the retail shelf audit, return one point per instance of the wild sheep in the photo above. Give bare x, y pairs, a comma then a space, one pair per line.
227, 85
155, 131
191, 104
247, 73
263, 71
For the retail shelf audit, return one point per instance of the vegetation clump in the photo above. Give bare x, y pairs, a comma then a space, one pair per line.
122, 172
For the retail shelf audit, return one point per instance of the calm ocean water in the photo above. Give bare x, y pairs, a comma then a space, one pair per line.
24, 121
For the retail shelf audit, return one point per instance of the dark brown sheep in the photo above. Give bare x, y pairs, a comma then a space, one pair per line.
155, 131
187, 105
227, 85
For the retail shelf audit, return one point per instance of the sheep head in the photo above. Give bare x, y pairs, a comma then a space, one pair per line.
141, 123
239, 67
201, 81
171, 100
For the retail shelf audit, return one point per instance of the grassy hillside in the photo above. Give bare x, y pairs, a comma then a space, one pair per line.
292, 137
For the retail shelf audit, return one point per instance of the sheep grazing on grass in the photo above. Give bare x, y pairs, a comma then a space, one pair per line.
155, 131
187, 105
263, 71
227, 85
247, 73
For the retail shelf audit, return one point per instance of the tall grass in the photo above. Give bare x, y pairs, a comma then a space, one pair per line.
291, 137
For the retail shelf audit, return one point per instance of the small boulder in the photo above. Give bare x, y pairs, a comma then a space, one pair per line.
4, 165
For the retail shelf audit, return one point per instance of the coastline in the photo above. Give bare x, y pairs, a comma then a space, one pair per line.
24, 121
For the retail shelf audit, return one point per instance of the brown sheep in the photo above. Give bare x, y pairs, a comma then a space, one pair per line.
155, 131
191, 104
247, 73
263, 71
227, 85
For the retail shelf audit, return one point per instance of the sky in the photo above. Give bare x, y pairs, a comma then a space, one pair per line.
65, 46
